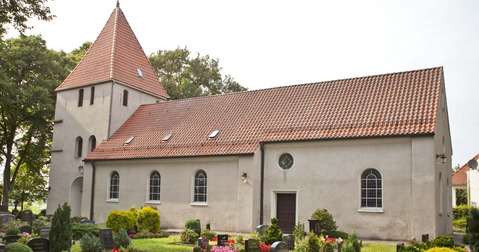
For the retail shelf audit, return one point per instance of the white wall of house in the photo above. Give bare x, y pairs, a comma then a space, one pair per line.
473, 184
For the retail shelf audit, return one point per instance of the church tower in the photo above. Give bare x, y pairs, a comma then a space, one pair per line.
111, 81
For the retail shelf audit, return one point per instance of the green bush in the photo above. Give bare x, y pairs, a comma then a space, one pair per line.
460, 223
78, 219
13, 231
272, 233
466, 239
299, 232
12, 224
197, 249
409, 248
117, 220
149, 219
328, 247
326, 221
61, 229
188, 236
313, 243
461, 212
122, 239
208, 234
79, 230
443, 241
134, 212
38, 223
17, 247
352, 245
193, 225
338, 234
90, 243
440, 249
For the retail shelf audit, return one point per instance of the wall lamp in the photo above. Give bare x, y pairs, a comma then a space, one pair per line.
244, 177
442, 157
80, 168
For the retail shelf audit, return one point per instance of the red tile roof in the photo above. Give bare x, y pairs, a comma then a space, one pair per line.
459, 177
394, 104
115, 55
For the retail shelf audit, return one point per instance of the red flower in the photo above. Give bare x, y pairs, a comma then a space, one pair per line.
115, 250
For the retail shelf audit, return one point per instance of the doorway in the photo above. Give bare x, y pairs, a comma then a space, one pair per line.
286, 211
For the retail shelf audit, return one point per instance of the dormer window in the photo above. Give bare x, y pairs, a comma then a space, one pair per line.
167, 138
129, 140
214, 134
140, 74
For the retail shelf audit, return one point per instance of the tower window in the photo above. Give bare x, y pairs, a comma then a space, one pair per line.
91, 143
125, 98
78, 147
80, 97
92, 95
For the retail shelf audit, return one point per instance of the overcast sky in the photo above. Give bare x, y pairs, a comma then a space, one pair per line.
274, 43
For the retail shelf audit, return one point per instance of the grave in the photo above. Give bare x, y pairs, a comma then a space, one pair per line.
39, 244
5, 218
2, 247
27, 216
91, 222
314, 226
261, 229
279, 246
10, 239
289, 239
106, 239
45, 233
251, 245
202, 242
26, 229
222, 240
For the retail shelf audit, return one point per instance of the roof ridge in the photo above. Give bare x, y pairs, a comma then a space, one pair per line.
112, 56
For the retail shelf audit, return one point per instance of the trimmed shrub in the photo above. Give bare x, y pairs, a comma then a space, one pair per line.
312, 243
299, 232
326, 221
134, 211
197, 249
13, 231
117, 220
466, 239
461, 212
149, 219
79, 230
272, 233
78, 219
409, 248
443, 241
122, 239
440, 249
90, 243
17, 247
38, 223
208, 234
193, 225
352, 245
338, 234
460, 223
328, 247
61, 230
188, 236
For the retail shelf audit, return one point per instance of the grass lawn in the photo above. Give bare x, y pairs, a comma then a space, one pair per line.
378, 247
153, 245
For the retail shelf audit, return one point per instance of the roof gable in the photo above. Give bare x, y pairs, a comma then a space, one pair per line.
395, 104
459, 177
115, 56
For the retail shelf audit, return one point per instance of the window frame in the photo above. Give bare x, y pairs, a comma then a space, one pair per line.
91, 143
152, 185
80, 97
92, 95
378, 186
78, 147
125, 98
198, 184
114, 187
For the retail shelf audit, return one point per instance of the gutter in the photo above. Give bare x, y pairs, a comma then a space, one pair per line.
92, 197
261, 196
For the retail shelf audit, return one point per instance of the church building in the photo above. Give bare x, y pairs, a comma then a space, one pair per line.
374, 151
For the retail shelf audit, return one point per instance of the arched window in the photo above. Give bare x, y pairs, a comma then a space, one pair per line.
78, 147
371, 189
114, 185
91, 143
155, 184
200, 186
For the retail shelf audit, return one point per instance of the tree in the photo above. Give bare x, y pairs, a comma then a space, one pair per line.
17, 12
185, 77
30, 186
29, 73
61, 229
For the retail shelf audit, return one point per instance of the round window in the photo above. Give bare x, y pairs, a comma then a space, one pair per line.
285, 161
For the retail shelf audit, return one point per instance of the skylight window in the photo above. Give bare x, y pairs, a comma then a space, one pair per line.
167, 138
129, 140
214, 134
140, 74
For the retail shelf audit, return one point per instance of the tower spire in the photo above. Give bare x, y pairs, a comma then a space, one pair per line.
117, 3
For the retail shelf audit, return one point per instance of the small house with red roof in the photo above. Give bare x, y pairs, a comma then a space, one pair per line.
374, 151
467, 179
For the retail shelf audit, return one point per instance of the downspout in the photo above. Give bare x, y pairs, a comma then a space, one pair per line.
261, 196
92, 198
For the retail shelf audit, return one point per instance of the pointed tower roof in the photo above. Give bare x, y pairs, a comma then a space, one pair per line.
116, 56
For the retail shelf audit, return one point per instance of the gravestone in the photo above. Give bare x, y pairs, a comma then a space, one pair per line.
106, 239
251, 245
340, 245
314, 226
261, 229
289, 239
2, 247
425, 238
10, 239
202, 242
45, 232
279, 246
27, 216
91, 222
26, 229
222, 240
5, 218
398, 246
39, 244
